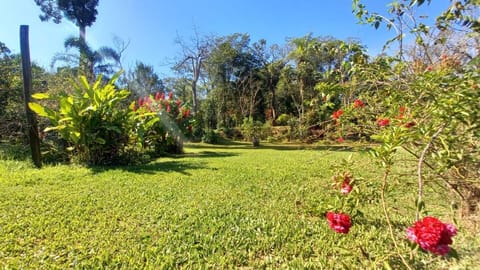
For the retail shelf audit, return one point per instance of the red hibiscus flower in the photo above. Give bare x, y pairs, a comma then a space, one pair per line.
432, 235
337, 114
339, 222
358, 104
383, 122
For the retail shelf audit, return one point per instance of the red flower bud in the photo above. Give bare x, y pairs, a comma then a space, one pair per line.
383, 122
358, 104
337, 114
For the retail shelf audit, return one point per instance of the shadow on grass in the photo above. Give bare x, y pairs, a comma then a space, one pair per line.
179, 164
154, 167
18, 152
208, 154
279, 147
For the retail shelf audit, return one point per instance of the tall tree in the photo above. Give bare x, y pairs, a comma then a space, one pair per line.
144, 81
272, 60
305, 56
83, 13
232, 68
191, 62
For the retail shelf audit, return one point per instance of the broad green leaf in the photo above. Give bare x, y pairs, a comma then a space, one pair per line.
38, 109
40, 96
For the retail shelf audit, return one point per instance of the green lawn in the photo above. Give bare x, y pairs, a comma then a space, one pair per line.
214, 207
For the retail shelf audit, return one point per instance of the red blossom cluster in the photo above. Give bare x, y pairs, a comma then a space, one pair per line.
340, 140
339, 222
383, 122
159, 102
336, 114
358, 103
432, 235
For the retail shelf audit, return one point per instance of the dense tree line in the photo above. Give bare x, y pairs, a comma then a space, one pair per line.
227, 79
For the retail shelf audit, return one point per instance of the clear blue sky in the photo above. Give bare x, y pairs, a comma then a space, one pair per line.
151, 26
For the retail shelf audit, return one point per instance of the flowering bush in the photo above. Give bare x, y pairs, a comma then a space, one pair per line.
339, 222
164, 123
432, 235
433, 119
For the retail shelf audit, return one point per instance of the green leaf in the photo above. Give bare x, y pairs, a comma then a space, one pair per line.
100, 140
38, 109
40, 96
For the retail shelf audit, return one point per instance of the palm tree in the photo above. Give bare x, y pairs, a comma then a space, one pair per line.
91, 62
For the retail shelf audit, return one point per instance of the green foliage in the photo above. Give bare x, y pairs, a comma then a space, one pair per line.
211, 137
283, 119
251, 129
91, 120
12, 106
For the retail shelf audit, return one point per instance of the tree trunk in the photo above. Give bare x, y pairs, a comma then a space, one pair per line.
85, 68
194, 97
273, 105
83, 33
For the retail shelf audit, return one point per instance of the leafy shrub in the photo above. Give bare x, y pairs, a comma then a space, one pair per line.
165, 123
283, 119
211, 137
251, 129
90, 120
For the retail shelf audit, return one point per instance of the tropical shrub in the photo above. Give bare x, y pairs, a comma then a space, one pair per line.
211, 137
90, 120
164, 123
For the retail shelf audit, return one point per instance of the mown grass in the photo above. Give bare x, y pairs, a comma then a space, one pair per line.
214, 207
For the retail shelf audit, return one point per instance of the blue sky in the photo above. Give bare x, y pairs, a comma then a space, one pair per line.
151, 26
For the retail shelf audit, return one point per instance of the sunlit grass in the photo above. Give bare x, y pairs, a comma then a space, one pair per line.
216, 206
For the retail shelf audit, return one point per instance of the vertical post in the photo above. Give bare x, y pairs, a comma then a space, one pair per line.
27, 90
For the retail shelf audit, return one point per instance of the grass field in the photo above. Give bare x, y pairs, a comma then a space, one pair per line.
215, 207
